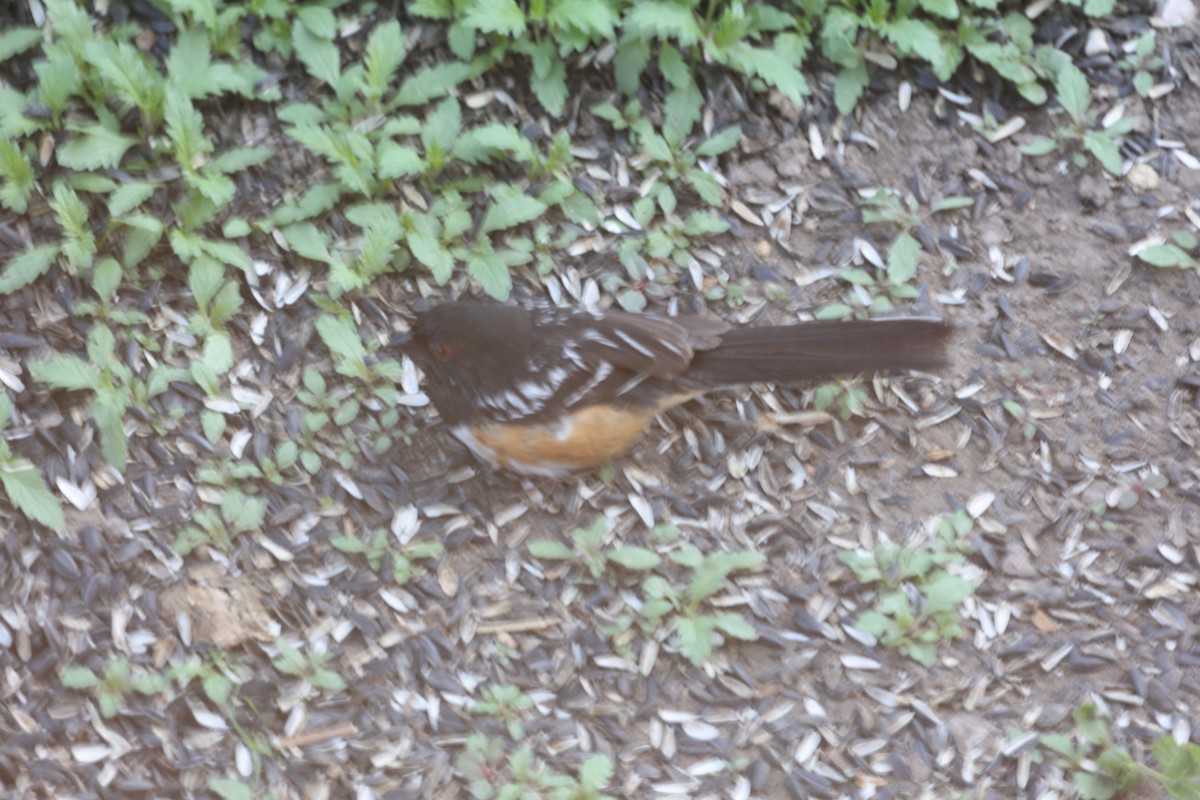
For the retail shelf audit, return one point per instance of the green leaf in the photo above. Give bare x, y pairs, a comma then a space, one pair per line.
510, 207
426, 248
129, 196
632, 300
318, 54
80, 244
395, 161
849, 86
218, 353
18, 40
327, 680
307, 240
596, 771
945, 591
834, 311
65, 372
106, 277
1102, 146
550, 550
922, 37
733, 624
902, 259
205, 276
947, 9
705, 185
26, 490
341, 338
432, 9
596, 20
1040, 146
27, 267
75, 677
241, 158
1166, 255
721, 142
658, 19
504, 17
492, 274
629, 64
549, 83
16, 176
695, 638
243, 513
442, 126
632, 557
385, 53
213, 425
1071, 87
429, 83
228, 788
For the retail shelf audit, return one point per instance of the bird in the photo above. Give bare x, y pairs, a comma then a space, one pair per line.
547, 390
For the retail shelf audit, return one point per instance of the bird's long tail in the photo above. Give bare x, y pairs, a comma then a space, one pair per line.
816, 350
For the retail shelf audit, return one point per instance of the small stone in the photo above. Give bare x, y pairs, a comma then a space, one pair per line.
1143, 178
1094, 190
1097, 43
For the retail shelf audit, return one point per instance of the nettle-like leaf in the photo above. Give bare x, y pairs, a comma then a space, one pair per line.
27, 267
658, 19
491, 271
510, 207
314, 43
430, 83
385, 53
18, 40
502, 17
1071, 87
94, 147
129, 74
26, 489
341, 338
16, 177
80, 243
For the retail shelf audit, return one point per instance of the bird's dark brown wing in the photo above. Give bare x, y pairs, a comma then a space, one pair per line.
645, 344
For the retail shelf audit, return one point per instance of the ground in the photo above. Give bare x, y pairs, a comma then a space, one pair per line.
1096, 355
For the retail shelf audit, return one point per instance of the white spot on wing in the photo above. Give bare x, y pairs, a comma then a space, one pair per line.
603, 370
632, 383
634, 343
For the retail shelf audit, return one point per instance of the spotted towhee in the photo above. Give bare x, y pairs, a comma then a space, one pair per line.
545, 390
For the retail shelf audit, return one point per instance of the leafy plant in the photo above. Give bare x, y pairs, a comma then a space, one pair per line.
1141, 59
1179, 252
402, 557
917, 604
1074, 95
681, 608
109, 380
110, 687
757, 40
1101, 769
893, 272
589, 550
494, 774
546, 33
23, 483
235, 513
508, 704
291, 661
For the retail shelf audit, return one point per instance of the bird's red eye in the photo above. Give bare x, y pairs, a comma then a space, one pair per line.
442, 351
